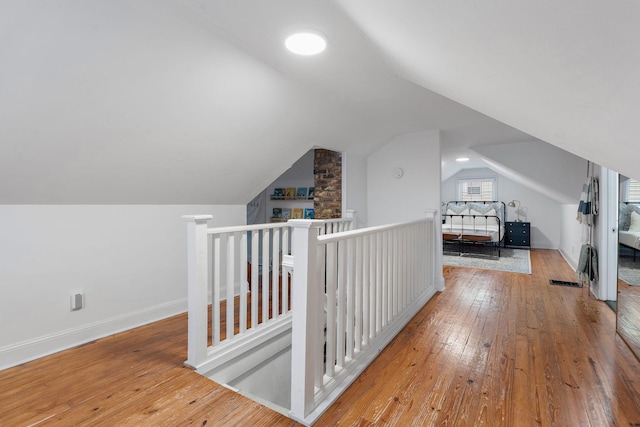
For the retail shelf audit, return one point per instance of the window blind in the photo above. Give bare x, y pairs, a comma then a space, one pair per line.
476, 189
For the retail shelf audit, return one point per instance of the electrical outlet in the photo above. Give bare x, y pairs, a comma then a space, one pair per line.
77, 301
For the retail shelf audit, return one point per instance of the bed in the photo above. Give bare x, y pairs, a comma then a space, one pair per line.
473, 228
629, 226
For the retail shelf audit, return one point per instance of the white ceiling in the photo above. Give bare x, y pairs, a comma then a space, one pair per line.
354, 72
565, 72
194, 101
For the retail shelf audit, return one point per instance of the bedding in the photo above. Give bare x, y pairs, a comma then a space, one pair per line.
634, 226
629, 238
626, 209
493, 231
474, 222
629, 223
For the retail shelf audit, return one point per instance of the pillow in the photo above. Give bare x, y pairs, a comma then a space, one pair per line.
634, 227
468, 221
624, 216
485, 218
455, 220
485, 208
458, 209
479, 207
499, 207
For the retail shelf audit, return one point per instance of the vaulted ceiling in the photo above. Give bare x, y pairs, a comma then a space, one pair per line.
563, 72
194, 101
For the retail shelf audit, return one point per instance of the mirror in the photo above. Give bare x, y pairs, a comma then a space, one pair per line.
628, 301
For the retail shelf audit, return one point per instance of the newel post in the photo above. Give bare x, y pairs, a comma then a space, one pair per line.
306, 303
351, 214
197, 255
434, 242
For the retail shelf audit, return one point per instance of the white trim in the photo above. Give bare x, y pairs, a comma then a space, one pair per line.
25, 351
240, 357
229, 350
572, 262
550, 245
349, 375
608, 253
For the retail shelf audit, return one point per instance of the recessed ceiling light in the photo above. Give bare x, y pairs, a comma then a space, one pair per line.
462, 159
306, 42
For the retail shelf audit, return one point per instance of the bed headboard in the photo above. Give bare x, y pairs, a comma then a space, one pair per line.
500, 206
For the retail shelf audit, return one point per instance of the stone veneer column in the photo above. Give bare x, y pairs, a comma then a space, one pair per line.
327, 168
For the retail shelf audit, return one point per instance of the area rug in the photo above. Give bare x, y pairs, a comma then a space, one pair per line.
513, 260
629, 270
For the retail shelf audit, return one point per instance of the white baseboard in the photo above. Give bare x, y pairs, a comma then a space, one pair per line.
544, 246
572, 262
25, 351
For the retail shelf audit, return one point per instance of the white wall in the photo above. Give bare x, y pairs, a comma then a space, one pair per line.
541, 211
391, 199
129, 260
354, 187
571, 234
300, 174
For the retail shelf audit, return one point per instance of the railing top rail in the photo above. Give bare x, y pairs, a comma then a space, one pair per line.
329, 238
337, 220
237, 228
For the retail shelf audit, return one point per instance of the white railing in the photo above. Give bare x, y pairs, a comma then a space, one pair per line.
237, 271
362, 287
337, 225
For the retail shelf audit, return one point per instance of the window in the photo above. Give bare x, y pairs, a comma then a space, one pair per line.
631, 190
477, 189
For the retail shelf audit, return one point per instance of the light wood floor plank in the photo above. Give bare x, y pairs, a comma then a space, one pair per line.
494, 349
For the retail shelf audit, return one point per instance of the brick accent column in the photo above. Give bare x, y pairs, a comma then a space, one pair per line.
327, 168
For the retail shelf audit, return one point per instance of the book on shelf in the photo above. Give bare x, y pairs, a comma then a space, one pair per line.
301, 193
311, 193
286, 213
277, 213
297, 213
290, 193
278, 193
309, 213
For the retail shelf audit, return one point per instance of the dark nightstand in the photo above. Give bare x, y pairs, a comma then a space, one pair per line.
517, 234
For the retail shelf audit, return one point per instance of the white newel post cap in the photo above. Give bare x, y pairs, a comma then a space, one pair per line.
198, 219
305, 223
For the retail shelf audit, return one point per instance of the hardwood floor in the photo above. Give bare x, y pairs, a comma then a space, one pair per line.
494, 349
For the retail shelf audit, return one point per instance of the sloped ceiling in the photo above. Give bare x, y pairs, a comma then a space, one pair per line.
542, 167
190, 101
196, 101
563, 72
133, 102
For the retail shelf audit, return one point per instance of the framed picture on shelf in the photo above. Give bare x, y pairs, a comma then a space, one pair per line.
286, 213
309, 213
297, 213
290, 193
301, 193
278, 193
311, 193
